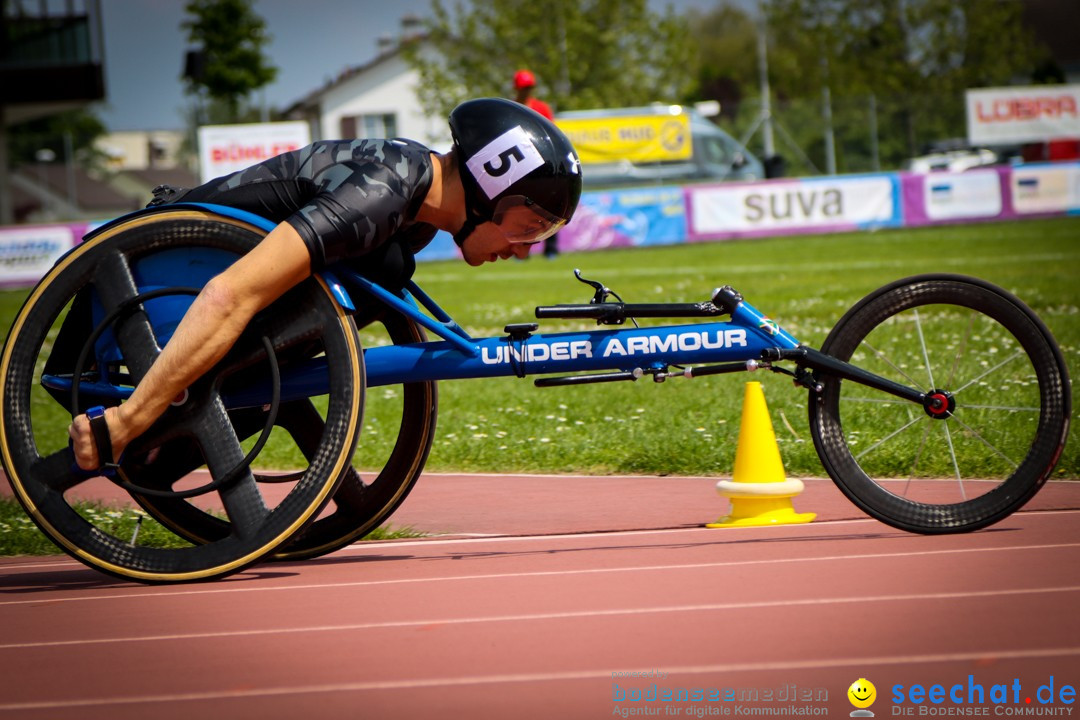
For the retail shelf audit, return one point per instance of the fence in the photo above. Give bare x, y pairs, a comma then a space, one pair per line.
706, 213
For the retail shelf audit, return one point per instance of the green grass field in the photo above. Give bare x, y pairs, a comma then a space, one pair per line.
689, 427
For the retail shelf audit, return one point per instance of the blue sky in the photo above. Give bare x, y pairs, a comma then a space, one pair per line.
313, 40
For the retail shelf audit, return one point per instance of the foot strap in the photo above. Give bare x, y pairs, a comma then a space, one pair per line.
102, 440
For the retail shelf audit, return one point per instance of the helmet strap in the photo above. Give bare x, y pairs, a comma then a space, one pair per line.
474, 218
471, 223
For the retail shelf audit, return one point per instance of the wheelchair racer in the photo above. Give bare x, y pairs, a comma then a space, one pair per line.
510, 180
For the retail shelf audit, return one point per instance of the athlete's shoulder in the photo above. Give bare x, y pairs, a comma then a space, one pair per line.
366, 149
406, 158
387, 150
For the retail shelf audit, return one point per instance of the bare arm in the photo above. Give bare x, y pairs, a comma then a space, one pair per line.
208, 330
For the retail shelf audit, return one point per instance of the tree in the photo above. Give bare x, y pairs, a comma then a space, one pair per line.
902, 65
230, 63
727, 68
584, 53
914, 57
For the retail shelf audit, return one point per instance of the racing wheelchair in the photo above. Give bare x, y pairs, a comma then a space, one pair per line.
945, 362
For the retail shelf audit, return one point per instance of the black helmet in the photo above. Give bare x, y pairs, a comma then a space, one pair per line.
518, 170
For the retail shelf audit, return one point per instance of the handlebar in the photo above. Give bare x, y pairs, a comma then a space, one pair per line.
724, 302
598, 310
616, 313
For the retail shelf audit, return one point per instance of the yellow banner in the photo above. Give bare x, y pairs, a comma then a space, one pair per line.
637, 138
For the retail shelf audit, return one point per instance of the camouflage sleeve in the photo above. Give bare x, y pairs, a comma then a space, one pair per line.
359, 205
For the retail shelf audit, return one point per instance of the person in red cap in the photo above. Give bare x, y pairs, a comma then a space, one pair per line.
524, 84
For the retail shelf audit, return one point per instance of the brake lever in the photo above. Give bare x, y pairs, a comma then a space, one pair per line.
601, 293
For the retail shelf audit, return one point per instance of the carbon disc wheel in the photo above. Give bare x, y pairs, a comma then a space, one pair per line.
995, 418
363, 500
123, 261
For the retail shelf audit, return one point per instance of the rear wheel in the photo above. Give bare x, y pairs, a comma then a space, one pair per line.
994, 422
151, 251
362, 500
367, 499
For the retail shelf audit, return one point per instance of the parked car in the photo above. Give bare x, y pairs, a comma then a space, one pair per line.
658, 144
952, 156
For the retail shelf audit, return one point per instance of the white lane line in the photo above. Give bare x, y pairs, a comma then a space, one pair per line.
476, 538
566, 615
473, 538
470, 680
480, 538
539, 573
470, 538
455, 537
463, 537
149, 594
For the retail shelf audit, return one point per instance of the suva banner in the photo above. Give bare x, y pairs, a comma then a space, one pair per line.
634, 138
793, 206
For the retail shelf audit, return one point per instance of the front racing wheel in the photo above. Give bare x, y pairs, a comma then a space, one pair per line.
995, 418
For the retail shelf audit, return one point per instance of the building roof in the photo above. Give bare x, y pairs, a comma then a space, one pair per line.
311, 100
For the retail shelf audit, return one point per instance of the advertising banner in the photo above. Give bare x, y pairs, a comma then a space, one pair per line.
27, 253
1049, 188
1009, 115
781, 207
626, 218
636, 138
670, 215
948, 197
224, 149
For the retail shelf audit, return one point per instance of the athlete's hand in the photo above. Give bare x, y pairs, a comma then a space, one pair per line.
82, 440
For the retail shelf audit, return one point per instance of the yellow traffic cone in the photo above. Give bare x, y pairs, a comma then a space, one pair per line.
759, 491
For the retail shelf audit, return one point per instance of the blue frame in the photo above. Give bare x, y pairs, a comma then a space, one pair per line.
460, 356
456, 355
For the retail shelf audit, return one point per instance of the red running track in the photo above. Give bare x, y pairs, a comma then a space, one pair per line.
538, 626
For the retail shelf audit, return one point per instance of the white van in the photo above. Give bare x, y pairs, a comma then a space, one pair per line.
657, 144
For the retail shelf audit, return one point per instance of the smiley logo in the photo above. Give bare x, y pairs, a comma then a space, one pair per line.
862, 694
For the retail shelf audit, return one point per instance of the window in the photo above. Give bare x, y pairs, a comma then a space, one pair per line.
715, 151
378, 125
